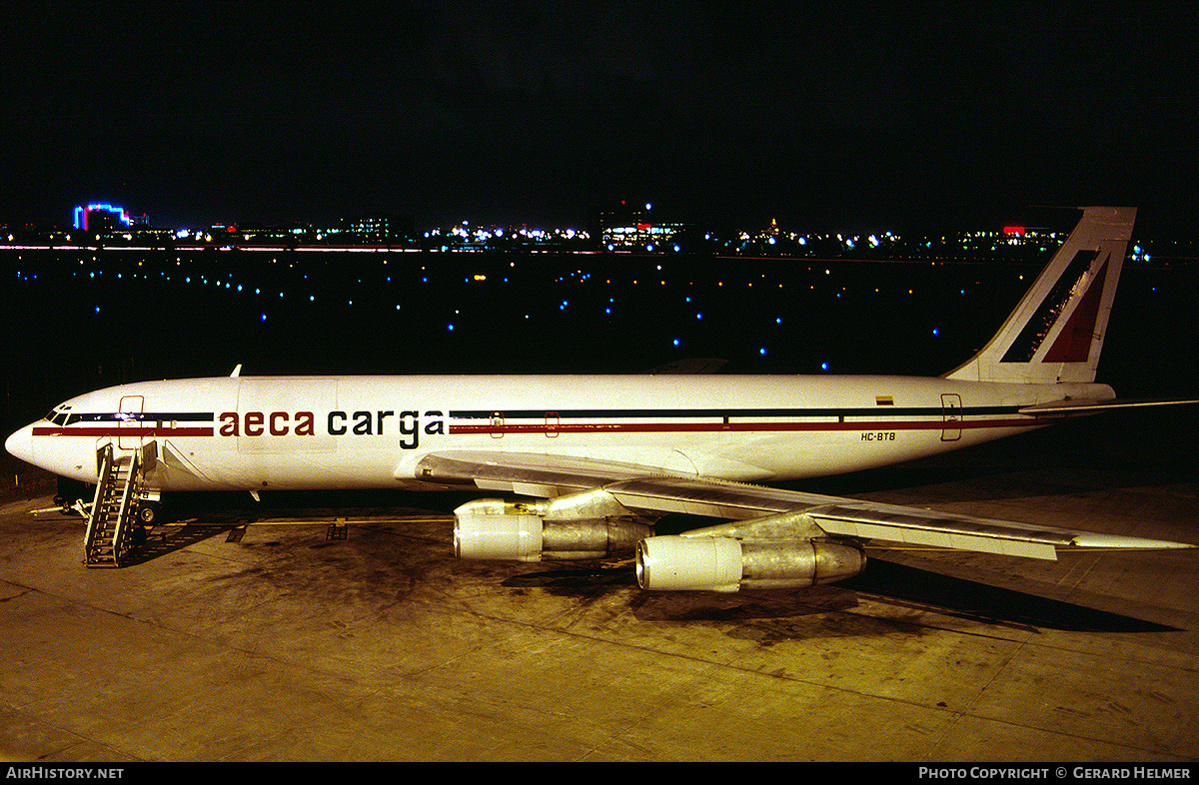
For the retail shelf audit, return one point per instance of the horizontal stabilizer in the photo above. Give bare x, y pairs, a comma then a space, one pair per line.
1080, 406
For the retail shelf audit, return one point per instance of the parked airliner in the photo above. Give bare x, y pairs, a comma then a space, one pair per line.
596, 460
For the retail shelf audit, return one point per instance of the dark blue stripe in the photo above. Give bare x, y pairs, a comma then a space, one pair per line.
875, 411
75, 417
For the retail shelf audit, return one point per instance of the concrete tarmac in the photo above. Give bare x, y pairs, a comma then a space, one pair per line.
286, 646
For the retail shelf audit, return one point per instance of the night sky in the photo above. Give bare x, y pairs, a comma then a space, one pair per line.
835, 116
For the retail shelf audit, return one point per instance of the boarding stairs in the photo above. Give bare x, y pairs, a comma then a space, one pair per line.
113, 517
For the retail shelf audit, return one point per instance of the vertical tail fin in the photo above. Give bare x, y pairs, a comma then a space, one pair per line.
1056, 332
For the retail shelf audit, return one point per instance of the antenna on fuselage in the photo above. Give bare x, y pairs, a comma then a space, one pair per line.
236, 372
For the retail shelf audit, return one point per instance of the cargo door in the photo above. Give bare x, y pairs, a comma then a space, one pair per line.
951, 417
129, 421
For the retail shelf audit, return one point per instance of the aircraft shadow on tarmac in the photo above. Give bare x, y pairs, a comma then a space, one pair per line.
168, 539
909, 589
910, 586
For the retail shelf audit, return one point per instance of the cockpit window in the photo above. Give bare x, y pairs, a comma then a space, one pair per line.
61, 417
64, 416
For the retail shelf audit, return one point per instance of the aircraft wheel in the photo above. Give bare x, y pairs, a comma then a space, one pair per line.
148, 514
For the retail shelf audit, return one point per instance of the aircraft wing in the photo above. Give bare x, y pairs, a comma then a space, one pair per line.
760, 512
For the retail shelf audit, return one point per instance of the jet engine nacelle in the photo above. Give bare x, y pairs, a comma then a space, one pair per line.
495, 529
724, 564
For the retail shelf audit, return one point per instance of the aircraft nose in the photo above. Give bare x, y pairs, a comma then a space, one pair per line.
20, 444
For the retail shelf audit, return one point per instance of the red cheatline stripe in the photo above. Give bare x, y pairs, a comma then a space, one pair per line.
907, 425
903, 425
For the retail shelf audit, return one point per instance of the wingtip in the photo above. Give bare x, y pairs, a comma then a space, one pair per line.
1119, 542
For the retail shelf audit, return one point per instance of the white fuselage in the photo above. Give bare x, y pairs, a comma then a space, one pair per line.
255, 433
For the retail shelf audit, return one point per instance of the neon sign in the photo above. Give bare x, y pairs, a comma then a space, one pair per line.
81, 214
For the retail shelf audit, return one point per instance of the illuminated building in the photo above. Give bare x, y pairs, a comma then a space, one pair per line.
377, 228
625, 226
98, 217
372, 228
